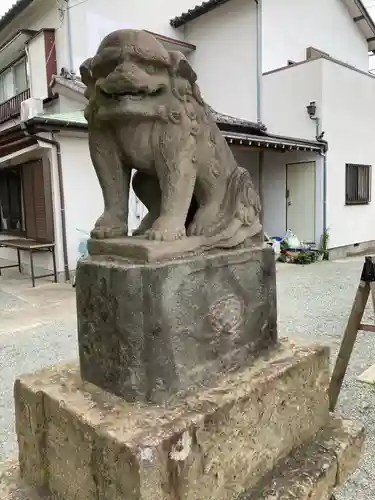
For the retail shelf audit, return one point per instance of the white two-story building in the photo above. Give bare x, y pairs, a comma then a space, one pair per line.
319, 55
48, 187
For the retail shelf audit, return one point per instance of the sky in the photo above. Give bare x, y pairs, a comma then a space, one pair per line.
5, 5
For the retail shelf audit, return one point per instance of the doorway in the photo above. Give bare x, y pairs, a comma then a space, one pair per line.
300, 200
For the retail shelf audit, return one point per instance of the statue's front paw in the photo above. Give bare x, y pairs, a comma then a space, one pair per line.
107, 232
165, 230
109, 226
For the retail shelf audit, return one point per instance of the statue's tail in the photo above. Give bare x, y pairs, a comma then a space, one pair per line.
241, 201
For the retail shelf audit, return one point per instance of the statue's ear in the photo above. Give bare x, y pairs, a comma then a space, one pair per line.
181, 67
85, 71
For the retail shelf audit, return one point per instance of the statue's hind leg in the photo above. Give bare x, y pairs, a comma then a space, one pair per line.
210, 200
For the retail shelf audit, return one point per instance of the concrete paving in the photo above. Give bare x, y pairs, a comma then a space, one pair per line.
38, 328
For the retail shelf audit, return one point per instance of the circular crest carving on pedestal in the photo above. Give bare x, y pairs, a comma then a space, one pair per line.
226, 315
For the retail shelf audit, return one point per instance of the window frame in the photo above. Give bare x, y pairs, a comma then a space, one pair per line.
16, 232
11, 67
16, 65
357, 199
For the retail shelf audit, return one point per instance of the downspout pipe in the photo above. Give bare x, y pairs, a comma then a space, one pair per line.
56, 144
69, 36
259, 58
323, 154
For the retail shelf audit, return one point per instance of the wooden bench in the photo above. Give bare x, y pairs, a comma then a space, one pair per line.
32, 247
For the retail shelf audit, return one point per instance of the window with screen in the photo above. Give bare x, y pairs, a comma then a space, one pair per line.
13, 81
358, 184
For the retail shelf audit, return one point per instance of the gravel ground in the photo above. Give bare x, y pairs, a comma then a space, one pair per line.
314, 303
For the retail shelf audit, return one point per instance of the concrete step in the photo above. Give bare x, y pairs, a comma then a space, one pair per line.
313, 471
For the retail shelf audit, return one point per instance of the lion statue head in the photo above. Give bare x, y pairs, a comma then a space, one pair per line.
132, 74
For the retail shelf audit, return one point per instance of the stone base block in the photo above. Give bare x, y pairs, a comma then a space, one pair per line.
78, 442
313, 471
147, 331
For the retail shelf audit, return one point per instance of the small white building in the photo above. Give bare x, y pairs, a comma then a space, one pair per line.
48, 187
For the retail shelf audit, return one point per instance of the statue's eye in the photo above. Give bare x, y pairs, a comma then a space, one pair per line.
150, 69
103, 68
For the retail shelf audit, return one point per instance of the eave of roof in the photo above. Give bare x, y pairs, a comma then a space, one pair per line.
73, 119
69, 81
27, 34
16, 9
363, 20
275, 142
227, 122
76, 120
197, 11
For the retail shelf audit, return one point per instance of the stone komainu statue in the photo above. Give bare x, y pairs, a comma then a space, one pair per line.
145, 112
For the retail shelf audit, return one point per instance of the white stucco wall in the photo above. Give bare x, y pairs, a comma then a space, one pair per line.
49, 17
290, 26
349, 121
285, 95
274, 190
83, 195
91, 21
228, 31
36, 61
226, 55
347, 117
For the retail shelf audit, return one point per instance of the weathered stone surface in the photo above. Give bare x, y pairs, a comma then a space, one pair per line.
313, 471
141, 250
11, 485
145, 113
147, 331
309, 473
82, 443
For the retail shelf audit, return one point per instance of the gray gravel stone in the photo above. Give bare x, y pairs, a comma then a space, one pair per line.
314, 303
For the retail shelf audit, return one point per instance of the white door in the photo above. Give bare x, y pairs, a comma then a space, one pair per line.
300, 200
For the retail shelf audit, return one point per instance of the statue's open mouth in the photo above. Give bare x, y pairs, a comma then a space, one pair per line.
132, 94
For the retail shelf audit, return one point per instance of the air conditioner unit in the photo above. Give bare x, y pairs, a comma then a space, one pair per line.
30, 108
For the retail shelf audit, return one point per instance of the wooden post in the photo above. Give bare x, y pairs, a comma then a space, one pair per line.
348, 342
366, 285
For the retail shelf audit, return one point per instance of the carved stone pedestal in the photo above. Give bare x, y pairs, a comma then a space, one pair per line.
148, 330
